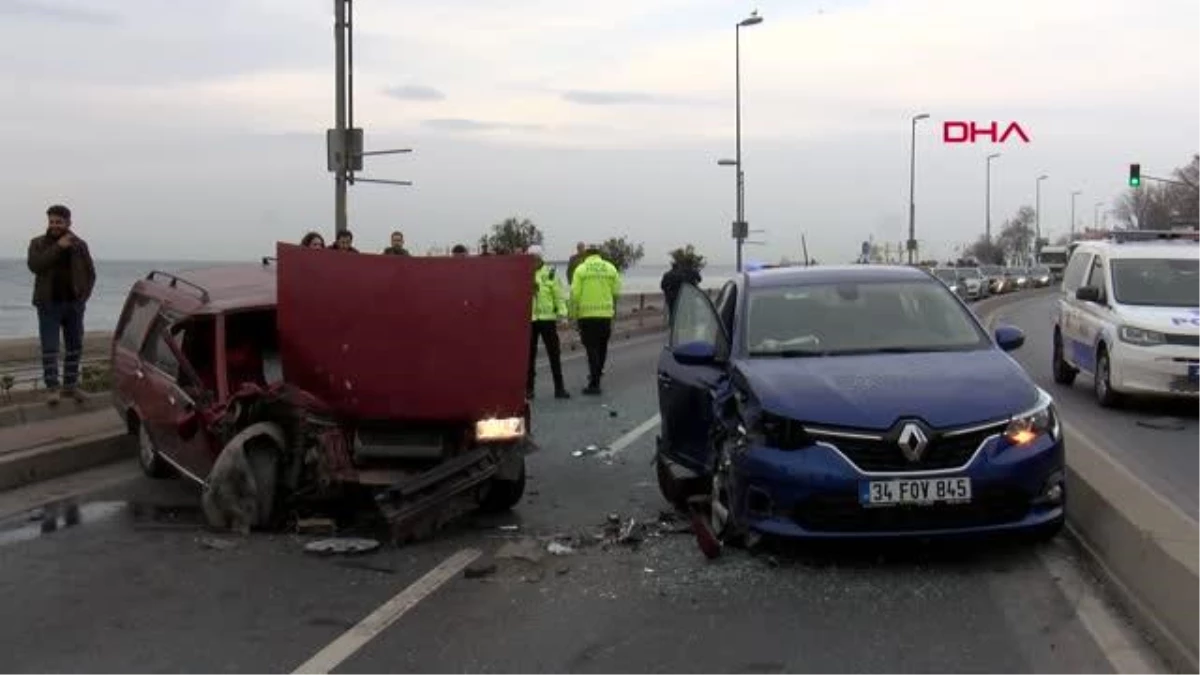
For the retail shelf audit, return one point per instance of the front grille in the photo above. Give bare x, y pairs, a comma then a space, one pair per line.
1183, 340
943, 452
988, 506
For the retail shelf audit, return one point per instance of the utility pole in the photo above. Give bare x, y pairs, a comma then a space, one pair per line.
339, 115
912, 189
988, 197
1074, 194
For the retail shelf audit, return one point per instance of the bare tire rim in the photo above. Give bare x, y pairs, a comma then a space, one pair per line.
145, 447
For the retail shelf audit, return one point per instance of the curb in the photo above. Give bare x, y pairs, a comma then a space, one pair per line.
28, 413
1140, 543
51, 461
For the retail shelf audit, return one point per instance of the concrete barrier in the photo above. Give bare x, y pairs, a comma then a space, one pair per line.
1144, 546
68, 456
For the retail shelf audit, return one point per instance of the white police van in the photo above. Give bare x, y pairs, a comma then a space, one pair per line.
1129, 315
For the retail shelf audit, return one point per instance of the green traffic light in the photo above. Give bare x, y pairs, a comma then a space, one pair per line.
1134, 182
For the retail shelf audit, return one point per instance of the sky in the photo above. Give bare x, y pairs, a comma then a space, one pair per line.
195, 129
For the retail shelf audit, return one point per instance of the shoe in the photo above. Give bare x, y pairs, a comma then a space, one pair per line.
562, 394
75, 394
53, 397
591, 390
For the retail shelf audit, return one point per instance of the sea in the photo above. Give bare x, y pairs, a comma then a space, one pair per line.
114, 278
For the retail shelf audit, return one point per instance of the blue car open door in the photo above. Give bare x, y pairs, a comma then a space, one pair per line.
691, 366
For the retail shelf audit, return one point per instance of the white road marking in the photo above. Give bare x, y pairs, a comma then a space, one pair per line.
376, 622
1119, 644
636, 433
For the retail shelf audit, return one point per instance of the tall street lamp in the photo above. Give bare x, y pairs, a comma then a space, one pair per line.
1096, 216
987, 228
912, 188
1037, 216
740, 229
1074, 194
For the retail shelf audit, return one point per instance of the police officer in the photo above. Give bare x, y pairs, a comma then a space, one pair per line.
549, 308
595, 288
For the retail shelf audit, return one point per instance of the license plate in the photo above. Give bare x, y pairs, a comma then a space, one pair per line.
1193, 373
914, 491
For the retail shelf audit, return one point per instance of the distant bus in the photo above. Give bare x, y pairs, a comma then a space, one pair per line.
1055, 258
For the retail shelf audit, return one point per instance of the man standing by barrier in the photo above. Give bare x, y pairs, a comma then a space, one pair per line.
549, 308
64, 277
595, 289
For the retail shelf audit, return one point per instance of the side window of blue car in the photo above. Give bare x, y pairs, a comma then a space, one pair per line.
695, 320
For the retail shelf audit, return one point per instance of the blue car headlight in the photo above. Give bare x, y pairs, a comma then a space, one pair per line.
1041, 420
776, 431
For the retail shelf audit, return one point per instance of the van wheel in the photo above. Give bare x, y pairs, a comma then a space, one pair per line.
1102, 381
1063, 373
501, 495
148, 458
263, 457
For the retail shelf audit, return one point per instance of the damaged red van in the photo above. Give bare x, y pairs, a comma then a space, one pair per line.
320, 376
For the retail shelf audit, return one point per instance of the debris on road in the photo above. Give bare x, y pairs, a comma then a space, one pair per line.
630, 533
216, 544
480, 568
587, 451
526, 549
555, 548
509, 528
322, 526
342, 545
672, 522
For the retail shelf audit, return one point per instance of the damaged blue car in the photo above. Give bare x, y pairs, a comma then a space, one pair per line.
856, 401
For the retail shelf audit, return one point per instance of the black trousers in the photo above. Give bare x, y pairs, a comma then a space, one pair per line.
548, 331
595, 334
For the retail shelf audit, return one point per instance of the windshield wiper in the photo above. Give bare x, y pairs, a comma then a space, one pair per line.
788, 353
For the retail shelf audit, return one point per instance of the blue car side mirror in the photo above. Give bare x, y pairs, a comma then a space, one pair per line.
695, 353
1009, 337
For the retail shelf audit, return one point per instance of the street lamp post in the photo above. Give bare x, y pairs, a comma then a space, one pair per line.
1074, 194
988, 197
912, 188
740, 230
1037, 216
1096, 216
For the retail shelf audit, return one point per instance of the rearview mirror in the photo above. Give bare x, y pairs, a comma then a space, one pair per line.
1088, 294
1009, 337
695, 353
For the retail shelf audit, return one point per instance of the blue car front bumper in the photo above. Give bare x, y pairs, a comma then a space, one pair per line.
814, 493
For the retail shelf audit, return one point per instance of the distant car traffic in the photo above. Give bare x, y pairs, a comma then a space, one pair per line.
948, 276
1040, 276
997, 281
853, 401
973, 282
1129, 316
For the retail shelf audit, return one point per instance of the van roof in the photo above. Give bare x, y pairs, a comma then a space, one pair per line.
1150, 249
213, 290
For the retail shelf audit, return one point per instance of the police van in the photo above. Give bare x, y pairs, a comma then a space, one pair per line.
1129, 315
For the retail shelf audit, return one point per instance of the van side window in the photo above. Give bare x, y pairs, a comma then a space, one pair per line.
139, 312
1076, 269
1096, 275
158, 353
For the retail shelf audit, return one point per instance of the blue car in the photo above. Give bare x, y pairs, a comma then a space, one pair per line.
855, 401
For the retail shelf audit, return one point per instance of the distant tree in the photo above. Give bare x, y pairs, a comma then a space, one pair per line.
687, 256
986, 252
1016, 236
1154, 206
511, 236
621, 253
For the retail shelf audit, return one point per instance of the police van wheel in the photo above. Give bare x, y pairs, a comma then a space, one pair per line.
1102, 381
1063, 373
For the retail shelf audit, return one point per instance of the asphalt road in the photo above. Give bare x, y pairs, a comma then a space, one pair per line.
136, 588
1154, 438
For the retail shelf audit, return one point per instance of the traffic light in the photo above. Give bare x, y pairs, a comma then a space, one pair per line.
1135, 175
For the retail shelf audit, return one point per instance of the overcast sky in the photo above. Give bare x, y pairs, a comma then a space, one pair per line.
194, 129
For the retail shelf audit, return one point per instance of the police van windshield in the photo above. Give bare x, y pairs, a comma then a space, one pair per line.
858, 318
1157, 282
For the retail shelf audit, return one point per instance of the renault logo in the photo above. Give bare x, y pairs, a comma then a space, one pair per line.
912, 442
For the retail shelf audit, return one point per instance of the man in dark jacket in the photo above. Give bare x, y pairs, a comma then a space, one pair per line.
674, 279
397, 247
580, 254
64, 277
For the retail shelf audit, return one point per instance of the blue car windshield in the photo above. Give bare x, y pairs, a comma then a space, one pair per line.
858, 318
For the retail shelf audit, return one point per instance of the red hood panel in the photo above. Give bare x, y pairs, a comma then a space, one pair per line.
380, 337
